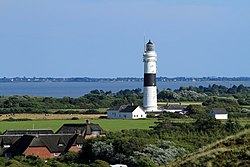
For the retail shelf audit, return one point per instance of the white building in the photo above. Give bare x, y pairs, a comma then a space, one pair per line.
175, 108
126, 112
119, 165
219, 113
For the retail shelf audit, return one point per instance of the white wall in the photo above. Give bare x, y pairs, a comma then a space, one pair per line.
173, 111
136, 114
150, 98
221, 116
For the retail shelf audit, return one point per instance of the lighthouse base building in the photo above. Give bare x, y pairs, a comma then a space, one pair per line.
149, 91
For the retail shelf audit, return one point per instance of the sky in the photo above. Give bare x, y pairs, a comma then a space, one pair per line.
105, 38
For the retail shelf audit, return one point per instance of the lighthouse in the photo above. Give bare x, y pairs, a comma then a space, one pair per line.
150, 90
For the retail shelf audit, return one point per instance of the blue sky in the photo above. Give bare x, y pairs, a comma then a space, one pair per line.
105, 38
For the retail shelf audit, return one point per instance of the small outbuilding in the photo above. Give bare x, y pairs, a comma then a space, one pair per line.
175, 108
219, 113
126, 112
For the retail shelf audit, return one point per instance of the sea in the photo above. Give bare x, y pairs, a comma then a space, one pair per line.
77, 89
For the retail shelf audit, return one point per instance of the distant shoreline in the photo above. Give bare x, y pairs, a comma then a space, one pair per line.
77, 89
120, 79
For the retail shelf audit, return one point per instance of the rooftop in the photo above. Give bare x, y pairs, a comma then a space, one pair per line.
219, 110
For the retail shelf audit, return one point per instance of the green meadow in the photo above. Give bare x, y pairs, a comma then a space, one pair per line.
106, 124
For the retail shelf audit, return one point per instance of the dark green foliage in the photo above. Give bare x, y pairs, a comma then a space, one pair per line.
34, 161
145, 162
21, 119
232, 126
99, 163
192, 136
195, 111
92, 111
95, 99
70, 157
208, 124
212, 96
150, 115
132, 146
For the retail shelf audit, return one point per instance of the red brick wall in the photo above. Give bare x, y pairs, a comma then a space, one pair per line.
42, 152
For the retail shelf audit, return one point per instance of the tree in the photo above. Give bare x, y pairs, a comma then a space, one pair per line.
102, 150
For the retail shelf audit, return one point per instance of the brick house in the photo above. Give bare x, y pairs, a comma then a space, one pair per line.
6, 141
87, 130
46, 144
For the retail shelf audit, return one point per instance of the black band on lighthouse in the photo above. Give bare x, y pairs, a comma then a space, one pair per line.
149, 79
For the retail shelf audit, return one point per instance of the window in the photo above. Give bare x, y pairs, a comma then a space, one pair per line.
96, 132
57, 154
6, 146
61, 145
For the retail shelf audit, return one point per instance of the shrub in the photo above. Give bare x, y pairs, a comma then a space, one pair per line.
20, 119
92, 111
99, 163
150, 115
70, 157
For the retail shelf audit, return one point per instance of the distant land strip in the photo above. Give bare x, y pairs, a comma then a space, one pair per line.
120, 79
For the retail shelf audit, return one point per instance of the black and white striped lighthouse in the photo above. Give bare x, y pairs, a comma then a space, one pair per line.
150, 90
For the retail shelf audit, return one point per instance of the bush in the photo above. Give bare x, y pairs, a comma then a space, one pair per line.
145, 162
74, 118
99, 163
92, 111
70, 157
150, 115
20, 119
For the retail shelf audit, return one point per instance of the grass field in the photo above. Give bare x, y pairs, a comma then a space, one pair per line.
109, 125
106, 124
